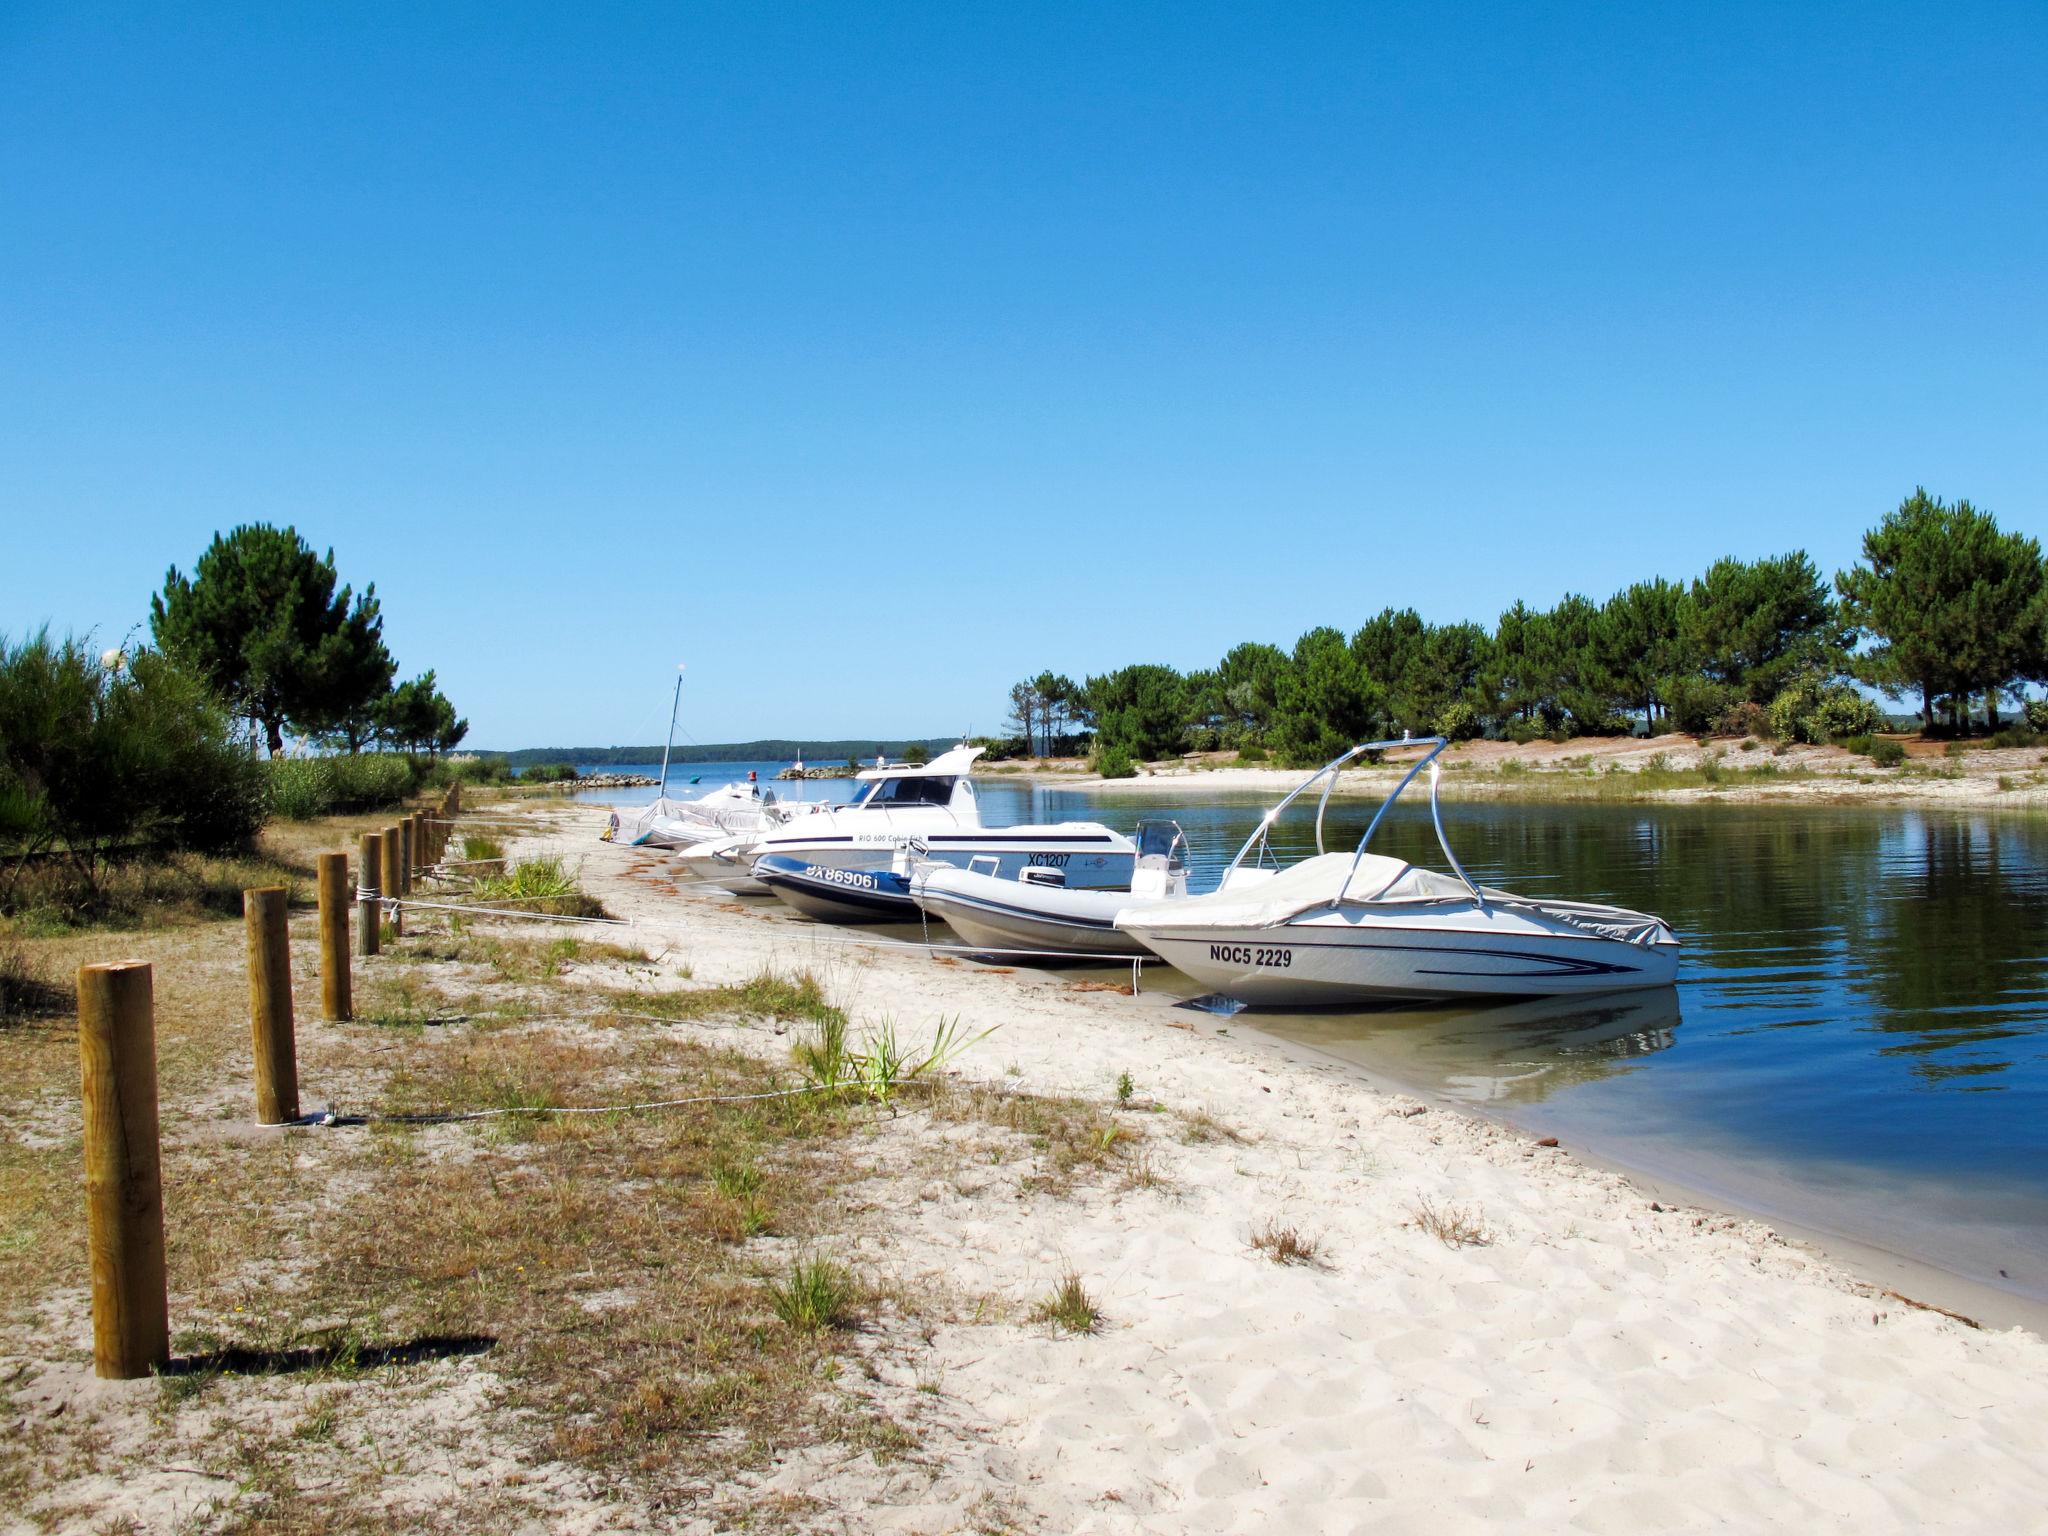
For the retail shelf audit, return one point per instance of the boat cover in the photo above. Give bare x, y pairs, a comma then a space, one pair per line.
1319, 882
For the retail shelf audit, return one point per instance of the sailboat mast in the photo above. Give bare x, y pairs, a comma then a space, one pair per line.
675, 704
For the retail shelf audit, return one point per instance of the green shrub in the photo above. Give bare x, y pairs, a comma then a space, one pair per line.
1696, 703
1887, 753
2016, 736
302, 788
1812, 711
1251, 753
93, 758
1458, 722
1113, 762
2037, 714
1747, 719
547, 773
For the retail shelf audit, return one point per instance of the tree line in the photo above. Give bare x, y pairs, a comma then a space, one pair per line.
1943, 606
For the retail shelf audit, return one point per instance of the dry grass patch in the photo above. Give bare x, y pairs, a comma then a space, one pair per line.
1286, 1245
1071, 1138
1452, 1225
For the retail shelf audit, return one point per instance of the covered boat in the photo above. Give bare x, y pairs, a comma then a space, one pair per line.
1361, 928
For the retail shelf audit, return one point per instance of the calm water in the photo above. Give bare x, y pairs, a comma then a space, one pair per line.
1858, 1041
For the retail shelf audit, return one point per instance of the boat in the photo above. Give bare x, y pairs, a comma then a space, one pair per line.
1361, 928
727, 811
1037, 910
726, 862
923, 812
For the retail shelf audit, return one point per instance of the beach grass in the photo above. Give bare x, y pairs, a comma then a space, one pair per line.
1068, 1307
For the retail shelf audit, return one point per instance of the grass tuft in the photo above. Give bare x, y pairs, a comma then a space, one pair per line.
1451, 1225
1069, 1307
818, 1293
539, 885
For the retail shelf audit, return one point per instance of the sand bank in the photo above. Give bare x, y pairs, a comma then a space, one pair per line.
1619, 767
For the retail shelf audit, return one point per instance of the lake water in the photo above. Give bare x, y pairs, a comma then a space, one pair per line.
1858, 1042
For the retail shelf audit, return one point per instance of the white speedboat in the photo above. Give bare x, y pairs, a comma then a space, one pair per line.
1362, 928
1037, 910
924, 812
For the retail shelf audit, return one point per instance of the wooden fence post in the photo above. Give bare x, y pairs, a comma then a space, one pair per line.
406, 862
270, 1005
131, 1329
369, 913
334, 904
394, 876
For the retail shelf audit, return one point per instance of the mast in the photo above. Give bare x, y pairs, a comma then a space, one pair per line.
676, 704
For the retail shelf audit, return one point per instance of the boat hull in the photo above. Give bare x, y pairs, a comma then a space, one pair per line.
1348, 959
834, 894
1012, 915
1096, 859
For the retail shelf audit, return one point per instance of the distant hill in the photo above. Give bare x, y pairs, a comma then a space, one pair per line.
724, 752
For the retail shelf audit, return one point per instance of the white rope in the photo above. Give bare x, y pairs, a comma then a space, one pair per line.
452, 1117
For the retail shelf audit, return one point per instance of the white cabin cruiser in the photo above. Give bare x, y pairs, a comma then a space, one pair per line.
1037, 910
1361, 928
852, 863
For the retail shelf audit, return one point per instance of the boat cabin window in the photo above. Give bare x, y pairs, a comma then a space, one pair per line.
911, 792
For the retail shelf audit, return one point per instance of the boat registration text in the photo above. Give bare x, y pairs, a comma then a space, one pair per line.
858, 879
1246, 954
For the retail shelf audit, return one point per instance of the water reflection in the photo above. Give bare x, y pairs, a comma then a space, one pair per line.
1864, 991
1515, 1053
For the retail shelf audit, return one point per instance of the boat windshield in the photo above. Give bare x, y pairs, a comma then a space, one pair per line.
1162, 839
918, 791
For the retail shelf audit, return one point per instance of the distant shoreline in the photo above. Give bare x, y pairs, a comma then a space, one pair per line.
1663, 769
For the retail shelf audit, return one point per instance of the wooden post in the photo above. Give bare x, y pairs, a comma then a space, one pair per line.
370, 860
454, 800
406, 864
334, 905
394, 875
270, 1005
131, 1329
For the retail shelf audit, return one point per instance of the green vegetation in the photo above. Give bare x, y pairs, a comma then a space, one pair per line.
538, 885
548, 773
817, 1293
1959, 609
302, 788
102, 755
261, 620
1945, 604
1069, 1307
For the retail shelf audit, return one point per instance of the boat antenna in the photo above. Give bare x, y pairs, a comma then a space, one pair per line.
676, 704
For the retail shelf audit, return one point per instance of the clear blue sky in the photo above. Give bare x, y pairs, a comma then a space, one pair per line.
869, 357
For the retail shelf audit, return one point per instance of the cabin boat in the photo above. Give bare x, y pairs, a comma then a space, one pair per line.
927, 812
1037, 910
1360, 928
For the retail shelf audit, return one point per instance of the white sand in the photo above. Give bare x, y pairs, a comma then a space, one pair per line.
1597, 1365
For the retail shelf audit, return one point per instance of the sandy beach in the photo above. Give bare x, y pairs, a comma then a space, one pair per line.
1594, 1360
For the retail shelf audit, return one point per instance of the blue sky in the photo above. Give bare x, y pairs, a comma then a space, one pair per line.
870, 357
